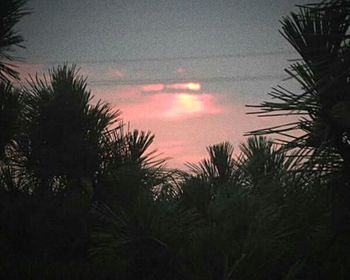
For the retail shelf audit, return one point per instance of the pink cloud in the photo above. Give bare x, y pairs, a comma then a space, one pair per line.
185, 86
186, 105
176, 106
153, 87
172, 107
192, 86
185, 122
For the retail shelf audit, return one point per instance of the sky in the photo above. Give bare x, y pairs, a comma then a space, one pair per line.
183, 69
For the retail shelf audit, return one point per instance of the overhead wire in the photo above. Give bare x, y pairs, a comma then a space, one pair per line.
164, 59
216, 79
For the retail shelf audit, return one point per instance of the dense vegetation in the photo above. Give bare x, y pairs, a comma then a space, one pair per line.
81, 197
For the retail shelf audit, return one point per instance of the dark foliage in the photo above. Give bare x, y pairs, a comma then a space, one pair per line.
80, 197
10, 14
10, 109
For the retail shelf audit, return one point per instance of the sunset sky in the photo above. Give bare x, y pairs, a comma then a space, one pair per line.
183, 69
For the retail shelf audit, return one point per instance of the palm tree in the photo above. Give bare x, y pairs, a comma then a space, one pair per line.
137, 228
10, 109
63, 132
145, 240
319, 33
261, 163
128, 166
10, 14
257, 223
219, 166
208, 178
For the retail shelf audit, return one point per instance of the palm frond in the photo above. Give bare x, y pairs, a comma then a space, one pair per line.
63, 131
319, 34
11, 13
10, 110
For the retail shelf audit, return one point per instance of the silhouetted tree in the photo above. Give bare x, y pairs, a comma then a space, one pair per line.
319, 33
10, 110
63, 131
136, 232
10, 14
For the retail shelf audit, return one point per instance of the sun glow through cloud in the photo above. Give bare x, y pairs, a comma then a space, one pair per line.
184, 86
181, 119
184, 104
161, 105
171, 87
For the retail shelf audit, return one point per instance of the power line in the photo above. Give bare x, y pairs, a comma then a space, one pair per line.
184, 80
175, 58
